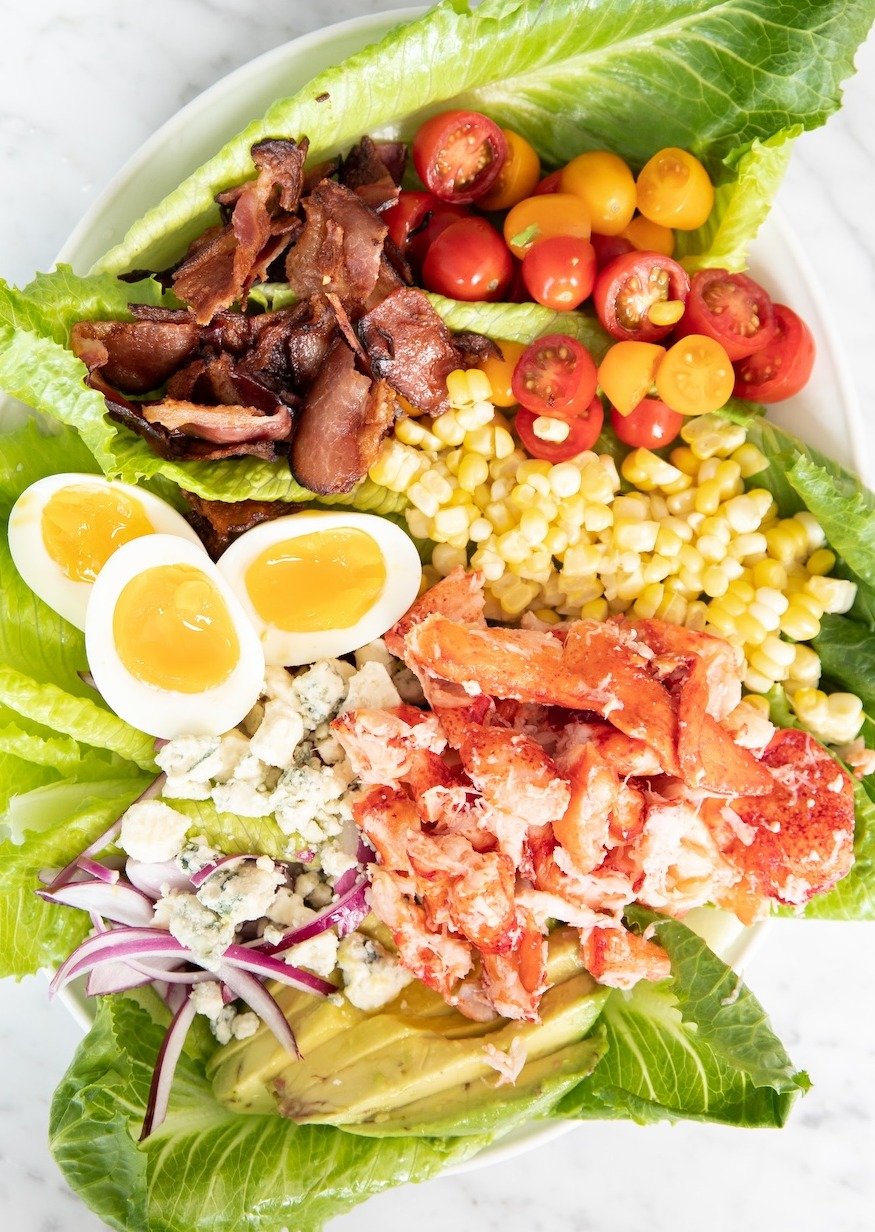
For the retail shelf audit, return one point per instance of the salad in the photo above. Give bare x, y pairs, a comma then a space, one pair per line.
437, 831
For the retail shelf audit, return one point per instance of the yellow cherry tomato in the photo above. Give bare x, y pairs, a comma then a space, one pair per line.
695, 376
649, 236
606, 184
674, 189
500, 371
518, 177
540, 218
626, 373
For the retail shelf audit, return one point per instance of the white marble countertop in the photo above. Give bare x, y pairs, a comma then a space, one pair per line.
81, 87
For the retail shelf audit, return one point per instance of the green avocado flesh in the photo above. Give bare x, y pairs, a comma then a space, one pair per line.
416, 1063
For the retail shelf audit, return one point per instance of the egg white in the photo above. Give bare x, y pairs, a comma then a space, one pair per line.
44, 576
403, 575
168, 713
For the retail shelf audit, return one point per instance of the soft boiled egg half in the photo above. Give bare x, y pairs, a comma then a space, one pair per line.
168, 644
317, 585
63, 530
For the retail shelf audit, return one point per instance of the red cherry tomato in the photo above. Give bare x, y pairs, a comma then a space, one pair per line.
407, 216
634, 290
784, 364
440, 215
549, 184
469, 260
555, 375
651, 425
609, 246
583, 434
559, 272
458, 155
730, 308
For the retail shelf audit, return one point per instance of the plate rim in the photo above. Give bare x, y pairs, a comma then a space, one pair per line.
379, 23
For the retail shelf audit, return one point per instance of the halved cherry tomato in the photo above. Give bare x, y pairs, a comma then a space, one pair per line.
518, 177
468, 261
651, 425
540, 218
649, 236
627, 372
583, 434
632, 292
500, 371
555, 375
549, 184
609, 246
459, 154
695, 376
731, 308
407, 216
559, 272
784, 364
606, 184
675, 190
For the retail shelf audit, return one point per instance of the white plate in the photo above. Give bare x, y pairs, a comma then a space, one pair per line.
195, 133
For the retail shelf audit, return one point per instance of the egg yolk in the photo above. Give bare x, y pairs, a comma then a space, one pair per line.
82, 526
324, 580
172, 629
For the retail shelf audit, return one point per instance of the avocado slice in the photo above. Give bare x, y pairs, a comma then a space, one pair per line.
356, 1066
484, 1107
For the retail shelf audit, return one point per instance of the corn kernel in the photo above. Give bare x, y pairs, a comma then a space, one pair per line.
582, 561
742, 513
658, 506
709, 435
547, 506
635, 505
813, 530
555, 541
681, 503
595, 516
805, 668
533, 526
761, 704
821, 562
518, 597
635, 536
750, 459
418, 523
707, 472
678, 485
546, 615
482, 441
742, 589
714, 582
412, 432
424, 500
746, 547
757, 682
685, 460
596, 483
475, 416
833, 595
512, 547
732, 568
489, 563
548, 428
750, 630
565, 479
788, 541
647, 603
770, 573
673, 609
798, 623
728, 478
644, 464
473, 470
445, 558
657, 568
715, 616
595, 609
500, 514
710, 548
480, 530
449, 521
607, 464
438, 487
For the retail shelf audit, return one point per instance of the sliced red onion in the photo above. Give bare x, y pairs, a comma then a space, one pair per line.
97, 870
159, 744
165, 1067
273, 968
120, 903
198, 878
251, 990
305, 857
152, 878
114, 977
119, 944
108, 836
346, 881
346, 914
174, 996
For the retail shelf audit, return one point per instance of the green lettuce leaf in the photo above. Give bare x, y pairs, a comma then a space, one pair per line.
710, 77
847, 657
33, 933
740, 207
235, 835
207, 1167
521, 322
62, 298
698, 1046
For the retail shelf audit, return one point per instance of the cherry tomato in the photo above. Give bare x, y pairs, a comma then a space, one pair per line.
439, 216
407, 216
651, 425
695, 376
627, 372
518, 177
549, 184
607, 186
583, 434
635, 290
555, 375
468, 261
609, 246
559, 272
500, 371
540, 218
649, 236
731, 308
674, 189
784, 364
459, 154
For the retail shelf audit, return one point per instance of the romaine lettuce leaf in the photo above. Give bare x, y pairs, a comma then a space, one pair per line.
698, 1046
521, 322
847, 657
235, 835
207, 1167
34, 933
710, 77
740, 207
